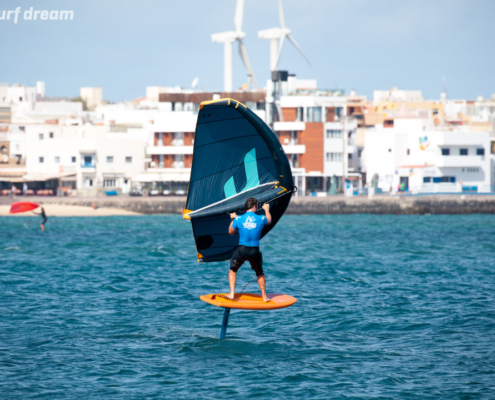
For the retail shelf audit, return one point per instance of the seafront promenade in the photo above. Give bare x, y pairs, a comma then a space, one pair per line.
405, 205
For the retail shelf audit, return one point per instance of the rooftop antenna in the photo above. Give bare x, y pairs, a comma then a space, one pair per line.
444, 92
277, 37
227, 38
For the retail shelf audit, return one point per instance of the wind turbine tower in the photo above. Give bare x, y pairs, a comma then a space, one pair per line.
277, 37
228, 38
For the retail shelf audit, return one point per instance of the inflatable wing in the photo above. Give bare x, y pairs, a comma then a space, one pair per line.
236, 156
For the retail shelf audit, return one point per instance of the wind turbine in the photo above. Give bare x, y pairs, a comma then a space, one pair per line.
227, 38
277, 37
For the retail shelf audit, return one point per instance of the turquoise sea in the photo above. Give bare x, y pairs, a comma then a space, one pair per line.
398, 307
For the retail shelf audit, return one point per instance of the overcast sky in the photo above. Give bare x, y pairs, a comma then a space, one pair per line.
125, 45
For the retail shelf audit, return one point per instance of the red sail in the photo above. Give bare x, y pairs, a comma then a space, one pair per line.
22, 206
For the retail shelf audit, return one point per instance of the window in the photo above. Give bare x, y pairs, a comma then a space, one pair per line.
73, 159
109, 183
408, 152
334, 134
444, 179
41, 136
51, 135
88, 161
109, 159
178, 139
445, 152
57, 160
463, 152
42, 160
299, 114
480, 152
426, 179
390, 150
313, 114
360, 152
178, 161
333, 157
128, 160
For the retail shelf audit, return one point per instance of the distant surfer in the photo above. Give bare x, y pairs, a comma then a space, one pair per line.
43, 215
249, 227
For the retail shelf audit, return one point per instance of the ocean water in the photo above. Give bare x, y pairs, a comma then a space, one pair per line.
392, 307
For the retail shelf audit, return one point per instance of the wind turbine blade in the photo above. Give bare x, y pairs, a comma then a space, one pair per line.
239, 10
280, 45
281, 14
245, 59
298, 48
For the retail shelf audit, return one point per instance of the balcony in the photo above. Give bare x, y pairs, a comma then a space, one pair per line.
289, 126
169, 150
294, 148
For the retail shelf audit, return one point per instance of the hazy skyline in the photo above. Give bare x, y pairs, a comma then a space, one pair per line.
124, 46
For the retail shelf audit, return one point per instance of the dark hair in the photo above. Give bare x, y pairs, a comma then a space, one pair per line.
250, 203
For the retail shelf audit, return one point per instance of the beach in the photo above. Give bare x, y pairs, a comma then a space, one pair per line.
62, 210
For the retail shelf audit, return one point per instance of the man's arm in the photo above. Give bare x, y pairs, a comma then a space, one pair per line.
232, 231
266, 207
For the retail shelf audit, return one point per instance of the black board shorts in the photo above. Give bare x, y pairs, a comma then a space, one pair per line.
251, 254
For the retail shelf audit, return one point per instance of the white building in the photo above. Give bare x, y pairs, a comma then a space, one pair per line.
428, 158
93, 96
90, 159
395, 95
17, 93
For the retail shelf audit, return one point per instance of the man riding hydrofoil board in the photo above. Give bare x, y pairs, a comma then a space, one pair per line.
250, 225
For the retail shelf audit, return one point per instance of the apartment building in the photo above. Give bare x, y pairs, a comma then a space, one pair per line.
319, 132
428, 156
89, 159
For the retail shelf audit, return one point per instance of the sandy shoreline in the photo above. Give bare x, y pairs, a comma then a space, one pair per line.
61, 210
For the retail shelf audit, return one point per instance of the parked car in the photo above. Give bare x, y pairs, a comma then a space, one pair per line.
136, 192
166, 192
180, 192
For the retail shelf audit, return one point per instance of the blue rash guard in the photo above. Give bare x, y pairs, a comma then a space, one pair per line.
249, 227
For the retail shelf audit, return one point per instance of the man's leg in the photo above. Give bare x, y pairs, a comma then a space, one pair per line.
262, 283
235, 263
257, 266
232, 280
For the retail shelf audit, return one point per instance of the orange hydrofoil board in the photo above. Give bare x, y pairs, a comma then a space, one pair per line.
249, 301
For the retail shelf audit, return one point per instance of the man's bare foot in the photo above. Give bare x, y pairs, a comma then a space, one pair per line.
266, 299
231, 296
